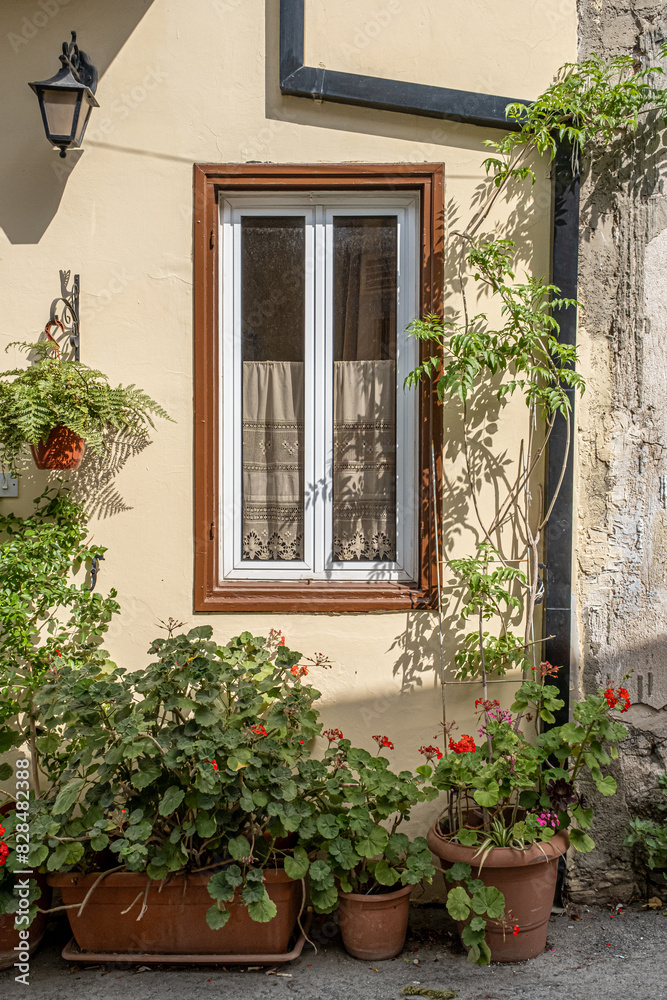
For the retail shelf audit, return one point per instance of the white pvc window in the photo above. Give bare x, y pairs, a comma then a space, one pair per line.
319, 444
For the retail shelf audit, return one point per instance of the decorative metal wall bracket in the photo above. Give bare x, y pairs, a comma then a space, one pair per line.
68, 305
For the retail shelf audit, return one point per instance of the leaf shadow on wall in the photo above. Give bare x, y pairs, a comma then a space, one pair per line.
33, 176
93, 483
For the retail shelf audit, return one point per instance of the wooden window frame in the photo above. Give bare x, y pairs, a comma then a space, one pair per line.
211, 595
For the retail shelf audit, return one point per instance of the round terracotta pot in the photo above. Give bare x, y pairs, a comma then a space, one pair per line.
63, 449
374, 927
9, 936
174, 920
527, 880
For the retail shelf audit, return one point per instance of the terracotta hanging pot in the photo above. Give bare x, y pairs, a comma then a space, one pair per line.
173, 915
62, 450
527, 880
374, 927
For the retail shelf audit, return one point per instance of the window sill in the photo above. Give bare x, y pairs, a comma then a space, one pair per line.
313, 597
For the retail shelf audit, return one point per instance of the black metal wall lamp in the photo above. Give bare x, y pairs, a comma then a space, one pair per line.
67, 98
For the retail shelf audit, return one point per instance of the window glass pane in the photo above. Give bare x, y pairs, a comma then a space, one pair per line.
273, 336
364, 306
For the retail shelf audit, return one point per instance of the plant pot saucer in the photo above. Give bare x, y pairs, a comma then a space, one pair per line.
72, 953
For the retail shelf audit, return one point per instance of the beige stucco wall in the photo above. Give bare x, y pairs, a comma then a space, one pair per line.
184, 82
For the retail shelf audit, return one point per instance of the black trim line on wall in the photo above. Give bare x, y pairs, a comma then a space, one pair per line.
298, 80
467, 107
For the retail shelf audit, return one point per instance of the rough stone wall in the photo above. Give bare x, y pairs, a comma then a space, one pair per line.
621, 516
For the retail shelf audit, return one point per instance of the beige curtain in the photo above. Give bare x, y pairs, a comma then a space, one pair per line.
364, 486
273, 487
364, 505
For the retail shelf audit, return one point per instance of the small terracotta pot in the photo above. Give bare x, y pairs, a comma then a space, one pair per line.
374, 927
174, 920
63, 449
527, 880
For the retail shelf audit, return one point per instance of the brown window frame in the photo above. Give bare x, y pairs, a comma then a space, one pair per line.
211, 595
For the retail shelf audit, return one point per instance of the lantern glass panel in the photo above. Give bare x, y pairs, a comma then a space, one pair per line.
84, 115
60, 109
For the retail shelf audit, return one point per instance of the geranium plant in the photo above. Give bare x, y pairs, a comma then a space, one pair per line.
513, 791
188, 765
361, 805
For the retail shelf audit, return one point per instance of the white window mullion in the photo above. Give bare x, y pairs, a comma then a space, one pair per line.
310, 395
321, 480
328, 395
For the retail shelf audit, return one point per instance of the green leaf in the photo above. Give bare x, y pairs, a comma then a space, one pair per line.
239, 847
100, 842
327, 826
222, 885
487, 796
468, 838
458, 903
384, 874
263, 910
581, 841
489, 900
67, 796
459, 871
324, 900
216, 917
5, 771
171, 800
205, 717
297, 864
374, 843
145, 776
206, 825
606, 786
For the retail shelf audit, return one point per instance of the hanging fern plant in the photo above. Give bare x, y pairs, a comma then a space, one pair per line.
59, 392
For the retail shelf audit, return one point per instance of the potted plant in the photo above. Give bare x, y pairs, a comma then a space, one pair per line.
167, 830
649, 837
365, 865
45, 620
58, 406
513, 810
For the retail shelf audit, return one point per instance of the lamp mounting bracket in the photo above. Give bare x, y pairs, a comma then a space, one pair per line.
80, 65
68, 305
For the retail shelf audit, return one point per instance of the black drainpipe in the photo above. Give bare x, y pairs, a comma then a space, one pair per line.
487, 110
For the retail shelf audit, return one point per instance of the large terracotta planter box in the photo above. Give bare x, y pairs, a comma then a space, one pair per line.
9, 936
173, 921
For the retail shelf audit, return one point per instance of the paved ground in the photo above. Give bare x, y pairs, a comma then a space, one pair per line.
596, 957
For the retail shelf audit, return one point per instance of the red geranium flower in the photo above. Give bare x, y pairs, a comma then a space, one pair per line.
213, 763
465, 745
332, 734
515, 930
384, 741
298, 670
613, 698
430, 752
258, 730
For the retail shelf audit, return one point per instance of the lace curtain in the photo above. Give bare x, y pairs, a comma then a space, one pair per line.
364, 482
